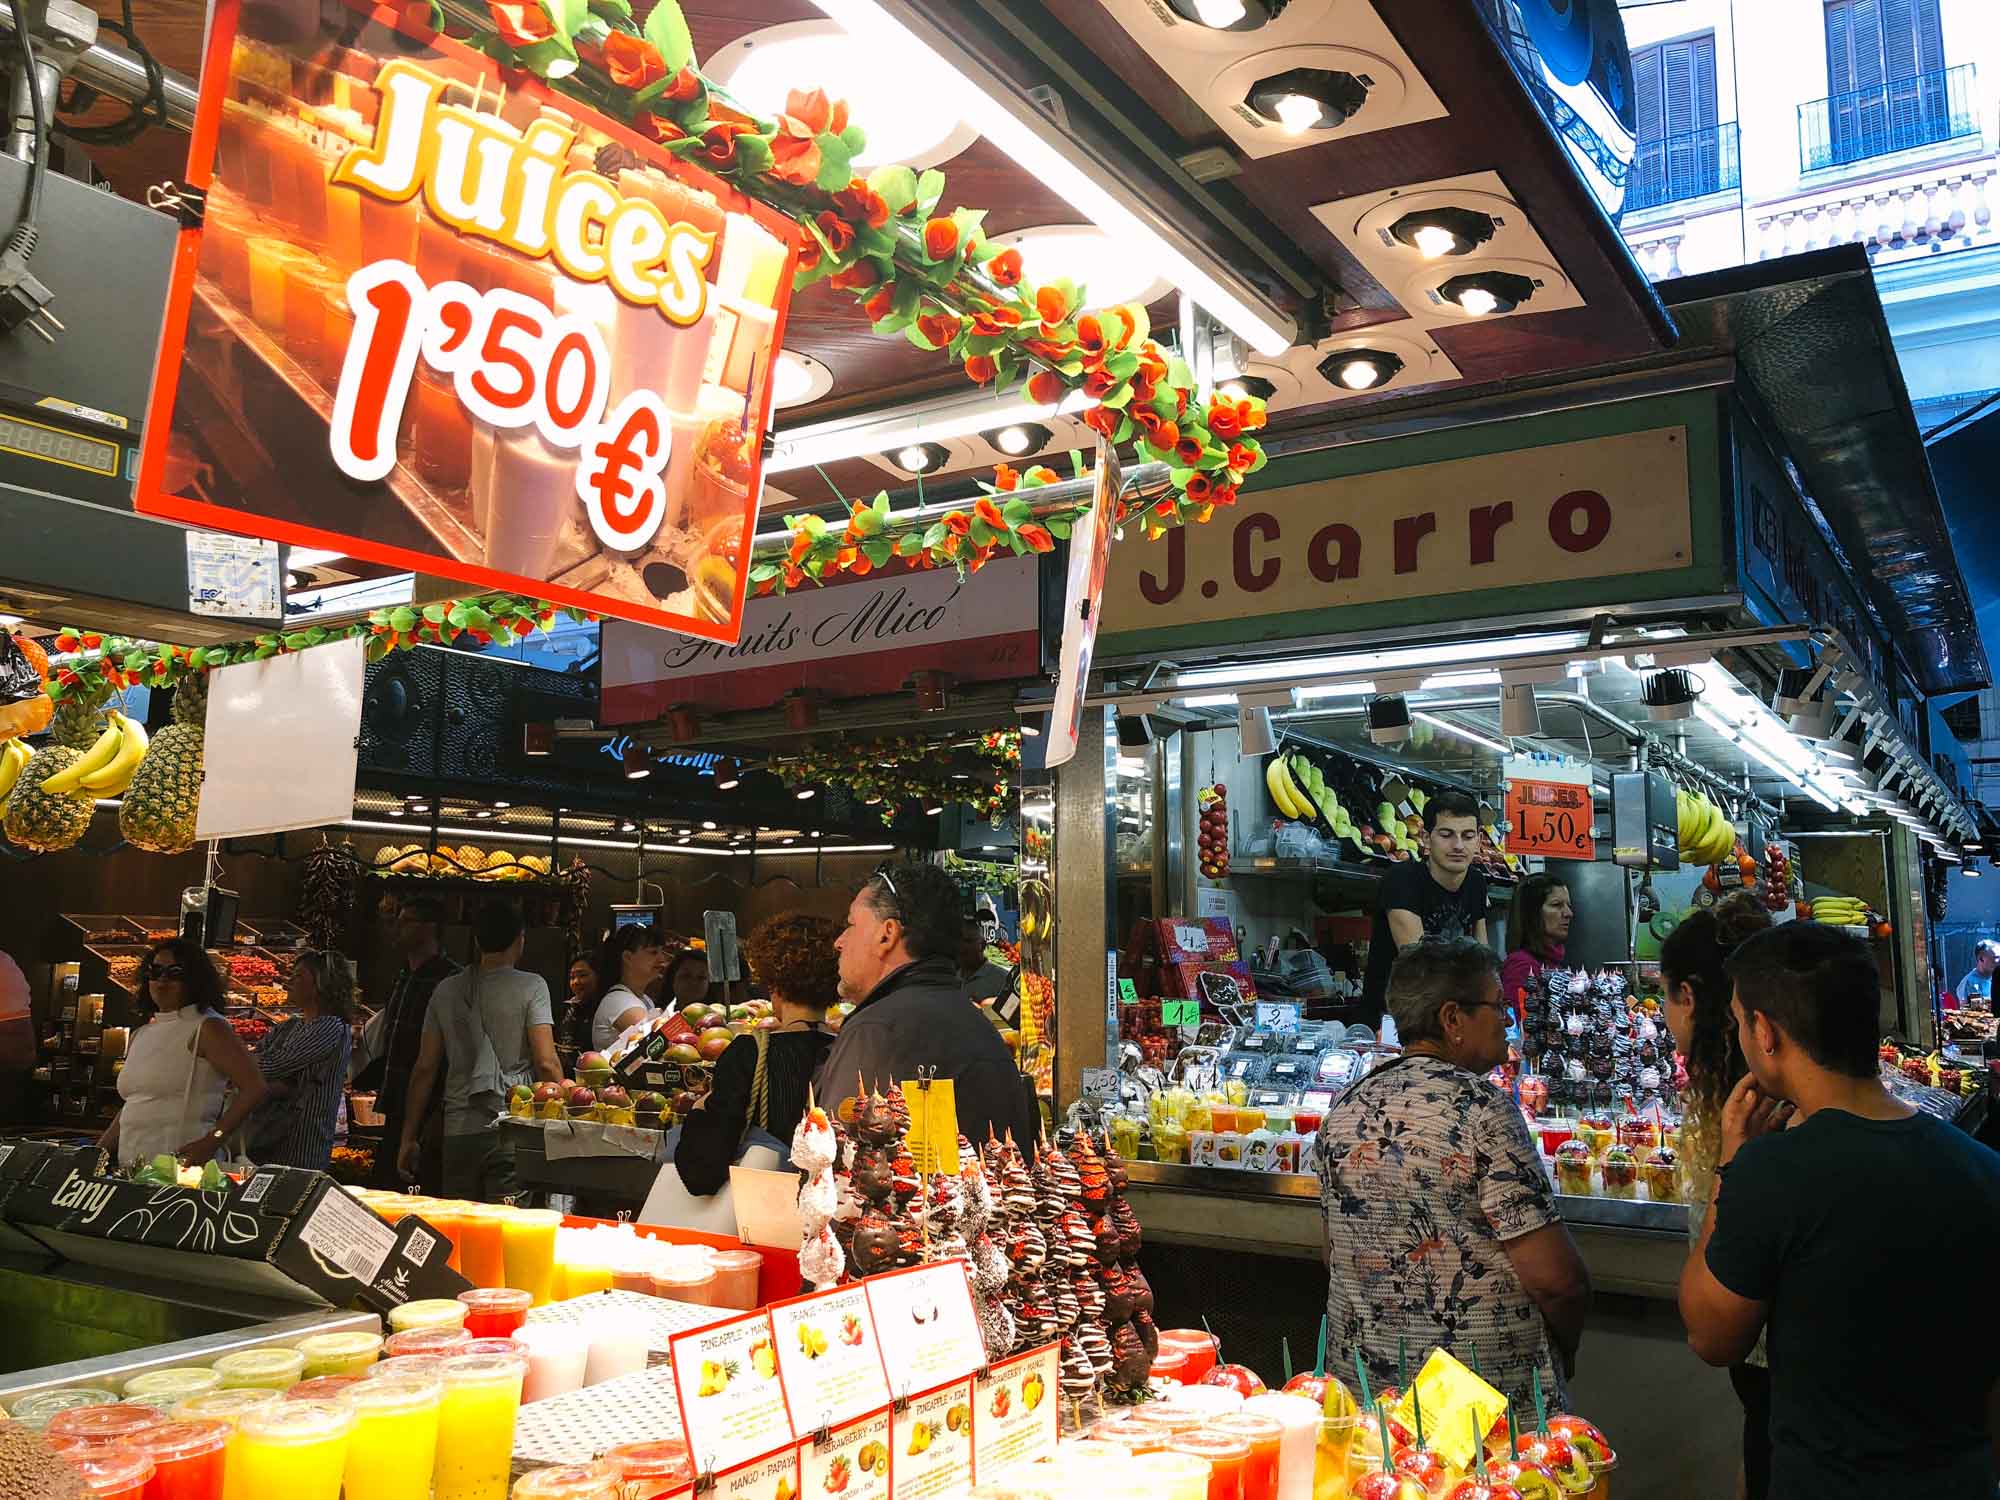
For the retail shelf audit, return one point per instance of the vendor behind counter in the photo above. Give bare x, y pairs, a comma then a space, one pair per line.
1442, 896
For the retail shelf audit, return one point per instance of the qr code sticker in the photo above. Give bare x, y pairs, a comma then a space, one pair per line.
418, 1250
257, 1187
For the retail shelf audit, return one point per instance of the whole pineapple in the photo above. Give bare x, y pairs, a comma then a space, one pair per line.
159, 809
45, 821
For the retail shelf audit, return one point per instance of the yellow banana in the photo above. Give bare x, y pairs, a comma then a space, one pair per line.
117, 776
13, 756
1275, 777
95, 759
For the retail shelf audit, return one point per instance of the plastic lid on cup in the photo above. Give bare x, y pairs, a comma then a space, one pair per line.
534, 1218
734, 1260
322, 1387
35, 1408
683, 1278
428, 1312
102, 1424
296, 1423
663, 1458
162, 1402
484, 1369
225, 1406
1216, 1447
1209, 1400
497, 1299
491, 1346
592, 1481
400, 1394
178, 1381
113, 1470
1246, 1424
277, 1368
443, 1339
340, 1348
408, 1367
171, 1442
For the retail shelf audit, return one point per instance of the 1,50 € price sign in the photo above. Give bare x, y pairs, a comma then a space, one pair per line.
1549, 818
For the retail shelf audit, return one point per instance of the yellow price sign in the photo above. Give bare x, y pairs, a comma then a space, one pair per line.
933, 1138
1451, 1396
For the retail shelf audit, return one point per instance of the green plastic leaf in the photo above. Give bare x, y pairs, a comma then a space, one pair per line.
930, 188
316, 636
897, 186
620, 9
1124, 364
753, 154
834, 171
968, 221
878, 550
981, 533
402, 620
763, 571
435, 613
667, 30
934, 535
567, 16
296, 641
1018, 511
1059, 529
856, 141
1178, 372
917, 336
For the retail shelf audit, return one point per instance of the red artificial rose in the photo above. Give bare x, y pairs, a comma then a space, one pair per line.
1052, 305
861, 567
810, 253
1005, 268
881, 302
811, 109
521, 23
686, 85
1166, 507
957, 522
980, 368
860, 202
940, 238
765, 585
1188, 451
1103, 420
1223, 494
659, 128
802, 543
939, 328
718, 144
794, 576
1041, 474
1200, 488
838, 233
999, 320
1223, 421
1036, 538
988, 512
794, 154
858, 277
1251, 414
632, 61
1143, 389
1005, 478
1099, 383
1045, 387
1241, 456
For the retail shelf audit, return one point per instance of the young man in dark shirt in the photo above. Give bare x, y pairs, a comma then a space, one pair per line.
1814, 1227
1441, 896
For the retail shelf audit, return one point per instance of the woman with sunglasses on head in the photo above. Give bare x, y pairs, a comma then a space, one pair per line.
178, 1065
304, 1061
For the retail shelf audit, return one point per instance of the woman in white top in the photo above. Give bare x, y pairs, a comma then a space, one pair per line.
178, 1064
631, 958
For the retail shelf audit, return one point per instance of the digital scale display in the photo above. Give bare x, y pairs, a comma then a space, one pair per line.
54, 445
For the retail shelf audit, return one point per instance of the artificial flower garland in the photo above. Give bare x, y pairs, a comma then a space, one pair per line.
887, 773
933, 278
92, 664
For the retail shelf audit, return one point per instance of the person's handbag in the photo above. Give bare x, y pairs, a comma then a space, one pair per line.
671, 1205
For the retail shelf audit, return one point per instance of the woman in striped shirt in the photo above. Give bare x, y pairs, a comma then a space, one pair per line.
305, 1063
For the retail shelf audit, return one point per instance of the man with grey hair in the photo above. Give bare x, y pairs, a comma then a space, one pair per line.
1441, 1227
1975, 991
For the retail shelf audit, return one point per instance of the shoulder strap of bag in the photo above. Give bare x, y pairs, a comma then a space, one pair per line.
760, 1086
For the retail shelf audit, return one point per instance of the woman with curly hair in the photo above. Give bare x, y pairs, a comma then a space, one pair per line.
761, 1081
1692, 964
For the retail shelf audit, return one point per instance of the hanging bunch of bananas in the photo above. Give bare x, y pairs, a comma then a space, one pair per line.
1707, 837
1301, 792
1038, 919
106, 769
1841, 911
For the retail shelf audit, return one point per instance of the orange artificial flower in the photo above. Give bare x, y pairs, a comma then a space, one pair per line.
1005, 268
1223, 421
838, 233
940, 328
858, 277
1005, 478
802, 544
811, 109
811, 253
1052, 305
1045, 387
1036, 538
957, 522
662, 130
794, 154
1223, 494
1103, 420
988, 512
1251, 414
521, 23
1099, 383
1041, 474
861, 203
632, 61
1241, 456
718, 144
794, 576
686, 84
940, 238
1200, 489
1188, 451
881, 302
980, 368
1166, 507
994, 321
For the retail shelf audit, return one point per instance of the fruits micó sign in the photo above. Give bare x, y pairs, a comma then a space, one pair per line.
445, 320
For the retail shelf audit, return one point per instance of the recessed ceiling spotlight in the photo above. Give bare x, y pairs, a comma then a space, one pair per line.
932, 812
729, 783
798, 379
1437, 232
637, 763
707, 825
1483, 293
395, 812
1019, 439
919, 458
1244, 387
626, 825
1228, 15
917, 123
420, 807
1306, 99
1360, 369
788, 841
808, 794
502, 806
686, 838
482, 813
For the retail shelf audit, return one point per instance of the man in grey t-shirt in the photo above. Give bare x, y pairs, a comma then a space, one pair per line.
489, 1028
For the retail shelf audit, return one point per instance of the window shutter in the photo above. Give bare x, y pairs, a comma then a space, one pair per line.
1899, 39
1646, 93
1702, 49
1864, 33
1839, 47
1930, 37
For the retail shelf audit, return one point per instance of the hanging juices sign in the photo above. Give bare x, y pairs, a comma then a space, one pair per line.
448, 321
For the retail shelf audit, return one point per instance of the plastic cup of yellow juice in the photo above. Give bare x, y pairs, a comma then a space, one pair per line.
261, 1369
296, 1450
528, 1243
393, 1451
475, 1444
348, 1353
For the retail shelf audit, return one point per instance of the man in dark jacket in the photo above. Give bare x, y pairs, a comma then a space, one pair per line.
899, 964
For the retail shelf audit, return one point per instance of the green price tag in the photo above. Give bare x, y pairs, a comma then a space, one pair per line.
1128, 992
1180, 1013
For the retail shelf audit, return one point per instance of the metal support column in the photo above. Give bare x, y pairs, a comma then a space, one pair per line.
1082, 858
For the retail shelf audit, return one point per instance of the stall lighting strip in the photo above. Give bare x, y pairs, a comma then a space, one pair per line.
1464, 734
885, 432
1404, 659
585, 842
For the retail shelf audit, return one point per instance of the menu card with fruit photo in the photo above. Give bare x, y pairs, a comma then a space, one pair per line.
852, 1464
1017, 1418
732, 1398
441, 318
829, 1357
931, 1439
774, 1476
928, 1327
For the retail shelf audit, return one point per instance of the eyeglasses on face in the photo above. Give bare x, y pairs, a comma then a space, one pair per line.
166, 971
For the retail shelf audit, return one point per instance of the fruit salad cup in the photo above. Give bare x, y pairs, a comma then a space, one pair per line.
1621, 1173
1573, 1165
1661, 1172
1597, 1131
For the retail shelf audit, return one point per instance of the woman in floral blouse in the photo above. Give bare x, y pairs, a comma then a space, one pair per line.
1441, 1227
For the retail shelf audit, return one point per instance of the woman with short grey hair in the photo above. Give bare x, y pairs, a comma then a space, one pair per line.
305, 1063
1441, 1226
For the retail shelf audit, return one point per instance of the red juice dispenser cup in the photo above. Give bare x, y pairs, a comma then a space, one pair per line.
1200, 1346
1227, 1456
495, 1312
103, 1424
443, 1340
187, 1459
114, 1473
1265, 1436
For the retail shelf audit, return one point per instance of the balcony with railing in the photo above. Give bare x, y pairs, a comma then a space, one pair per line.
1923, 109
1688, 164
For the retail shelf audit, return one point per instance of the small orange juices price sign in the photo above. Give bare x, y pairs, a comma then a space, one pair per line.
927, 1326
1016, 1409
732, 1398
931, 1439
1550, 816
829, 1357
1452, 1397
854, 1463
